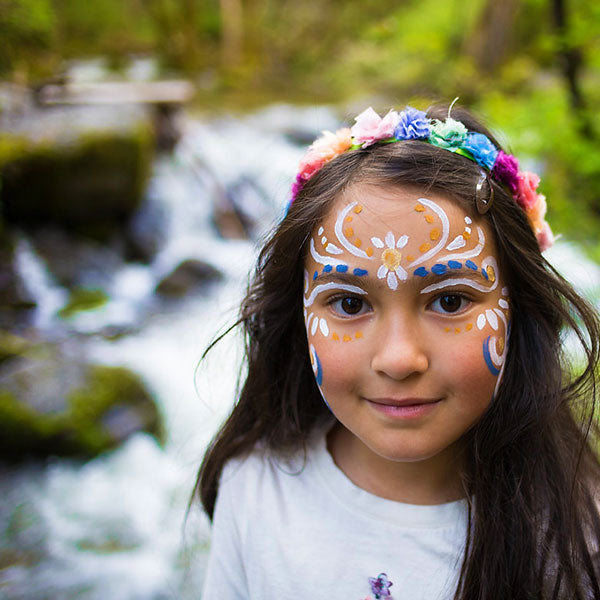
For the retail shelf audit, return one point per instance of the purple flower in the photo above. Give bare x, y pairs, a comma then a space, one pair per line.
482, 150
506, 170
380, 586
413, 125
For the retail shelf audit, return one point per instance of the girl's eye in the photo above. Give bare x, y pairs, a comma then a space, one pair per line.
450, 303
349, 306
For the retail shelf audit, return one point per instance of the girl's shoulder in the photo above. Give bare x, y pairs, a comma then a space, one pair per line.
265, 466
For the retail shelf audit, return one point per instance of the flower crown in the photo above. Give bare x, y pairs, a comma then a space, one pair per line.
452, 135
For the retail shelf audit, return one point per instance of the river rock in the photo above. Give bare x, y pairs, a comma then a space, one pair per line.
16, 303
90, 186
188, 276
54, 403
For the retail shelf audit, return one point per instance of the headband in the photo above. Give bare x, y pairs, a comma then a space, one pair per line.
451, 135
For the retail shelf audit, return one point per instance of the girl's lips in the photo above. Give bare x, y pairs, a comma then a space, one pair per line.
404, 408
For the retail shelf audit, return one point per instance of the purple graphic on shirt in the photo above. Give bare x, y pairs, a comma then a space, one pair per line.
380, 586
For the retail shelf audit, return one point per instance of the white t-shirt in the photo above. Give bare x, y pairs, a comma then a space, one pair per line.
301, 530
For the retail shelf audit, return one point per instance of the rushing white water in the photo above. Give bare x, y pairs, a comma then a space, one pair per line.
114, 526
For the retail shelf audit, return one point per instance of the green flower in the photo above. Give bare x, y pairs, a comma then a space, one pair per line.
448, 134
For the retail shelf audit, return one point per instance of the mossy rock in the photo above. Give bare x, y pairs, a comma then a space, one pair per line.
53, 406
90, 187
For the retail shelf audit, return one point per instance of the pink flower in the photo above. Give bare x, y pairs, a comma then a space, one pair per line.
545, 237
370, 127
322, 150
527, 196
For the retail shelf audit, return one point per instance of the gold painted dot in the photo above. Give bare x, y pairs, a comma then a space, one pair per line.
500, 346
347, 338
391, 258
466, 235
434, 234
429, 218
358, 209
424, 247
457, 330
369, 251
409, 257
335, 336
349, 219
348, 232
469, 326
420, 208
358, 335
446, 329
357, 243
490, 273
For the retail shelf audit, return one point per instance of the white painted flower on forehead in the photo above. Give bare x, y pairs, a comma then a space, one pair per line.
391, 258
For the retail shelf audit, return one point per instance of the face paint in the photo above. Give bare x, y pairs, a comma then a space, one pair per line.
405, 314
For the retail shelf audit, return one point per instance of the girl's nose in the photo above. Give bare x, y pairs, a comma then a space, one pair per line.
400, 350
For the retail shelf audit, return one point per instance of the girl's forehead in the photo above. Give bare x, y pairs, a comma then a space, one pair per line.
369, 208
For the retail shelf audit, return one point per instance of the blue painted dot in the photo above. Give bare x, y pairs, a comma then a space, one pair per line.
327, 269
471, 265
484, 273
360, 272
315, 275
454, 264
439, 269
341, 268
420, 272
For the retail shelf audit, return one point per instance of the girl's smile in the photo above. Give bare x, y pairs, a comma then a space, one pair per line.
407, 321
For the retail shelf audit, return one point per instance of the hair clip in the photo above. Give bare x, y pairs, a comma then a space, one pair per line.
483, 202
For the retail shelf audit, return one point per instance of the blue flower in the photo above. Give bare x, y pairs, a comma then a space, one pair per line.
413, 125
482, 150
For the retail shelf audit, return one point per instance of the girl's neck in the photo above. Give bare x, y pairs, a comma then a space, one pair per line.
432, 481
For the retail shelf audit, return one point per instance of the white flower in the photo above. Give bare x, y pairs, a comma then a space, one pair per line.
391, 258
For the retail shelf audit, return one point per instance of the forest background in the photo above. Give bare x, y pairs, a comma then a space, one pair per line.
531, 67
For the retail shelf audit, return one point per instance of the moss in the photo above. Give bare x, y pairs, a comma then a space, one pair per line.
80, 430
82, 299
90, 187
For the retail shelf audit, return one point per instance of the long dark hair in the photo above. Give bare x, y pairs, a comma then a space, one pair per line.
532, 469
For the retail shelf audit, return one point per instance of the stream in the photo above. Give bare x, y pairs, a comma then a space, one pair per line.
116, 527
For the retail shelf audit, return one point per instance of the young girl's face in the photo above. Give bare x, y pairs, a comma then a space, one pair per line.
406, 317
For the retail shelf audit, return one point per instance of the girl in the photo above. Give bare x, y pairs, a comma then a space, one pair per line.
408, 427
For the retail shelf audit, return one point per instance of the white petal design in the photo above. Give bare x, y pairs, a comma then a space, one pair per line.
320, 232
492, 318
333, 249
481, 321
382, 271
401, 273
402, 241
456, 243
324, 327
389, 239
392, 281
323, 240
468, 220
310, 316
376, 242
468, 229
305, 281
502, 303
313, 328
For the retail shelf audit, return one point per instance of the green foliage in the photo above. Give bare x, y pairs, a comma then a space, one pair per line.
82, 299
27, 31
